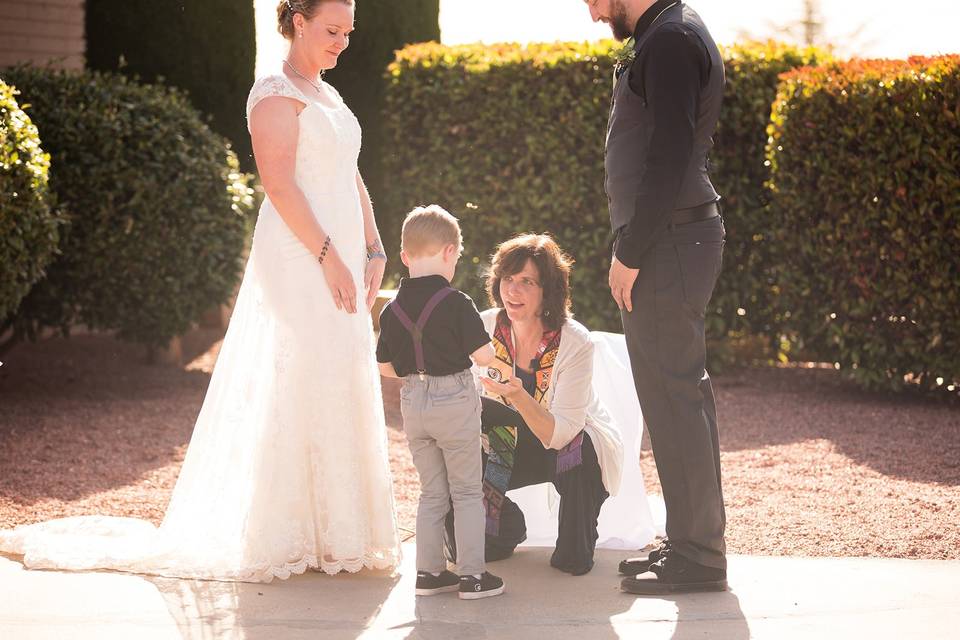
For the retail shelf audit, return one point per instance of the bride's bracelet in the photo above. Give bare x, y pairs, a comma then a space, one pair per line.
323, 250
375, 250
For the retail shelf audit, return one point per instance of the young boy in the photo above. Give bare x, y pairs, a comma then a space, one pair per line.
428, 335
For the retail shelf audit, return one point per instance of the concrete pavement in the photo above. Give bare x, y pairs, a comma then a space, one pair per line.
769, 598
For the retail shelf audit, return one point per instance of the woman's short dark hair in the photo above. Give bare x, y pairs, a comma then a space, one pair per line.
553, 269
288, 8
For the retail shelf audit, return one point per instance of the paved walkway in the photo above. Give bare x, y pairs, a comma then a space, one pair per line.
770, 598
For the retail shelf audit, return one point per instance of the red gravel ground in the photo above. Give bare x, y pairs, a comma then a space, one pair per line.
811, 466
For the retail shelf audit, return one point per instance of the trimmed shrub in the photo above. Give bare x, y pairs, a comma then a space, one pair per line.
383, 26
156, 202
28, 226
205, 48
511, 139
746, 297
864, 159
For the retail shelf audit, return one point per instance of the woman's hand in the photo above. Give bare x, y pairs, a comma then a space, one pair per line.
509, 389
540, 420
372, 279
339, 279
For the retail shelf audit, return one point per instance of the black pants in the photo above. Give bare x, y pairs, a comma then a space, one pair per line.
581, 496
665, 339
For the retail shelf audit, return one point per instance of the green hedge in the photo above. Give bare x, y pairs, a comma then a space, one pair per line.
156, 204
207, 48
865, 159
382, 27
28, 226
511, 139
746, 300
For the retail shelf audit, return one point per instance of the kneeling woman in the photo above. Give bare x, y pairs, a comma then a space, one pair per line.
541, 420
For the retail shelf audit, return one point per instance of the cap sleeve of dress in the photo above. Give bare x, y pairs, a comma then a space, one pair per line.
267, 87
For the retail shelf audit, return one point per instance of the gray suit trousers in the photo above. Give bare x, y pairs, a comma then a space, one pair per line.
665, 340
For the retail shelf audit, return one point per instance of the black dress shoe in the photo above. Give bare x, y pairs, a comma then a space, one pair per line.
636, 566
675, 574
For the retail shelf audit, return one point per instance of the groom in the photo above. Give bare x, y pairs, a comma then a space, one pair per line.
667, 251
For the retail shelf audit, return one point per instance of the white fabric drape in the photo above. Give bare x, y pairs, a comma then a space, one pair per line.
627, 519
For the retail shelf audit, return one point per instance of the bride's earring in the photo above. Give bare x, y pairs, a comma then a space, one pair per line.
301, 33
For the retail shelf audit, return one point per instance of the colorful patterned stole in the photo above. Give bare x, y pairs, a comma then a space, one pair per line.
500, 442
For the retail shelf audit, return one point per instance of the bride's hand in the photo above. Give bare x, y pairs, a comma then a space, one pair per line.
372, 280
339, 279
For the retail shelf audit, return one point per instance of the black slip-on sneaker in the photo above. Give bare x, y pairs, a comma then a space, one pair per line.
430, 585
675, 574
486, 586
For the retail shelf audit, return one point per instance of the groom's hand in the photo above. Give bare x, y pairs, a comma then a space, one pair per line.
621, 282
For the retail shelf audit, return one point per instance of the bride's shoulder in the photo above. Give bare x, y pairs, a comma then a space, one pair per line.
273, 84
332, 88
333, 91
270, 86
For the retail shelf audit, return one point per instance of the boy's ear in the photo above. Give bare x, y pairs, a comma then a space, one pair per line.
404, 259
450, 252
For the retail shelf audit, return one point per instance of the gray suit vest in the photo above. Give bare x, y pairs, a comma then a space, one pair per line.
631, 124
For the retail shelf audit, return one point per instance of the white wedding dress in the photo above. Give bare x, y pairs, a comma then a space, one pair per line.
287, 467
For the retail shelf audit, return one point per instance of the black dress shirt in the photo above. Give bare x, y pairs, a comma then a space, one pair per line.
453, 331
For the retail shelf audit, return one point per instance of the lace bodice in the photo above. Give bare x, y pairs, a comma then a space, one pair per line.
329, 139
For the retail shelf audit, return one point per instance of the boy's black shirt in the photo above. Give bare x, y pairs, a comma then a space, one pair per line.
453, 332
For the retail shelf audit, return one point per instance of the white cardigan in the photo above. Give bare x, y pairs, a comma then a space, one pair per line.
574, 403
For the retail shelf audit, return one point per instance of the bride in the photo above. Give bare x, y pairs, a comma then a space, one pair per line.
287, 466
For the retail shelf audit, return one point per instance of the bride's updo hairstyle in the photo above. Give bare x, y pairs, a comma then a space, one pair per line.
288, 8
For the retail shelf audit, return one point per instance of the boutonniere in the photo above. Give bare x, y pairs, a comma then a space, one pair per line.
625, 53
623, 56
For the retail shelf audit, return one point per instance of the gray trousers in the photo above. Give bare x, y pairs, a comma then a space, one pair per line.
665, 340
441, 417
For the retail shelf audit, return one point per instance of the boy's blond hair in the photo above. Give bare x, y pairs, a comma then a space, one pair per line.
427, 230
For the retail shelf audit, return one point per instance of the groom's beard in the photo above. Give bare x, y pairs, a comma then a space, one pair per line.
618, 22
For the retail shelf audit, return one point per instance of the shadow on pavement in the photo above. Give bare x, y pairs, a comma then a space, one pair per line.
313, 605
